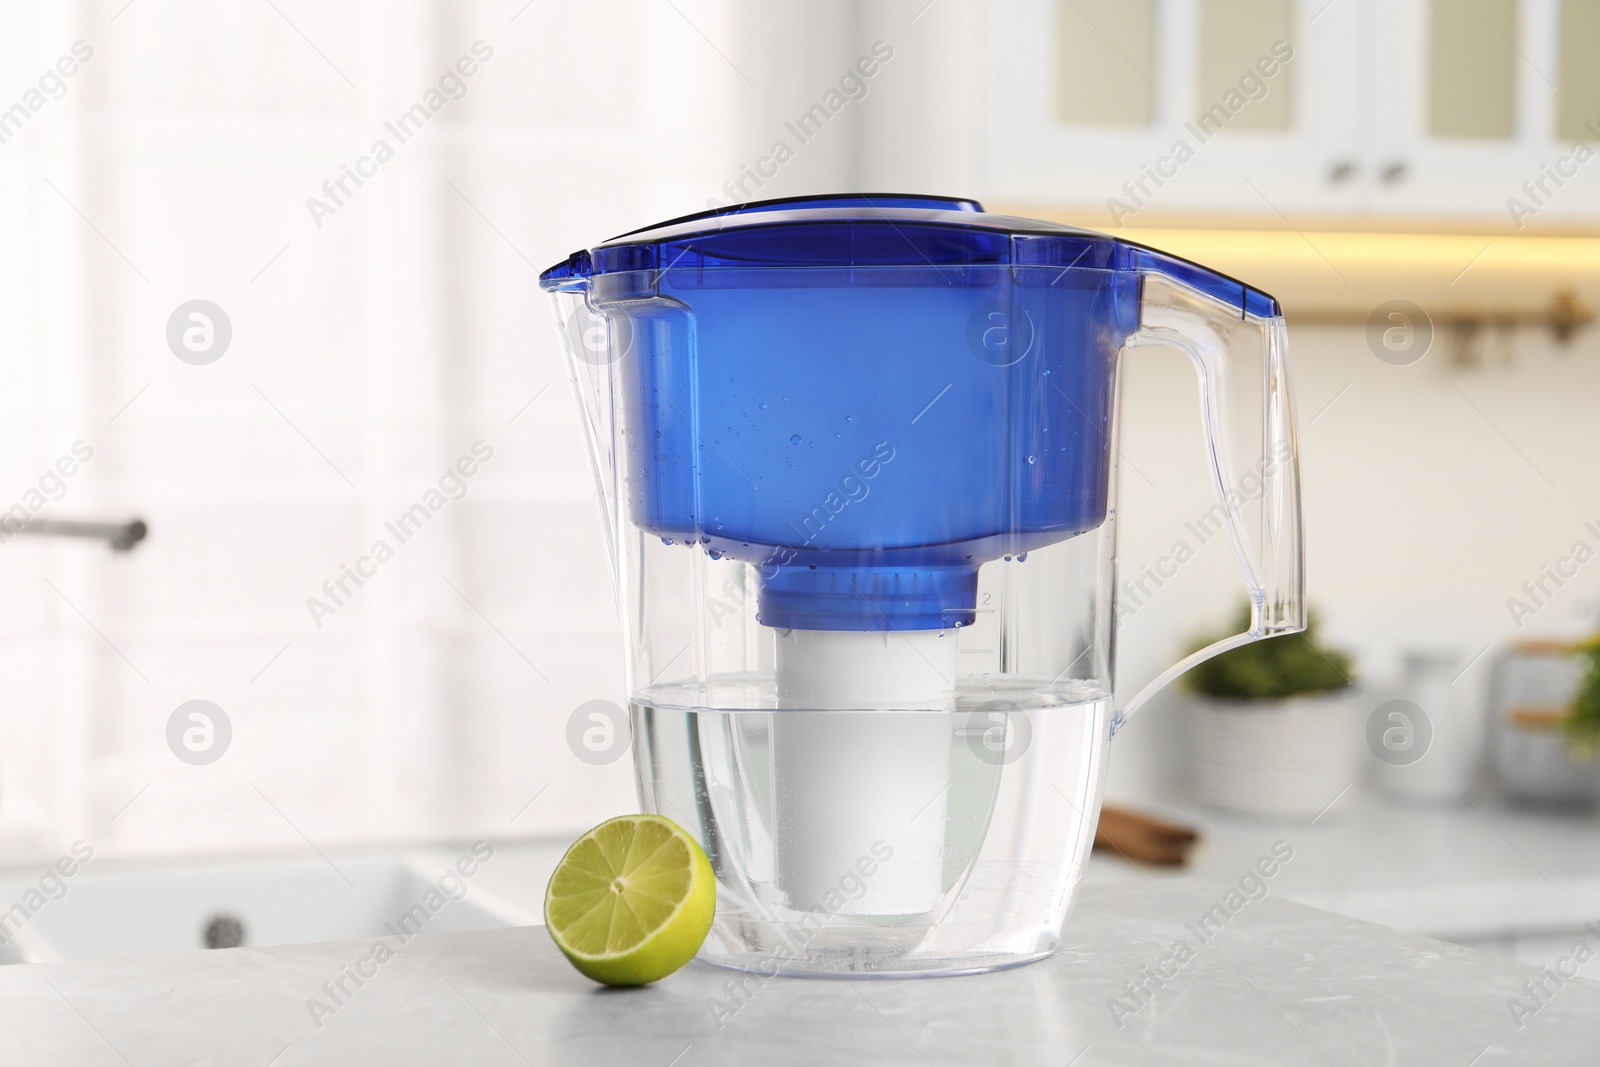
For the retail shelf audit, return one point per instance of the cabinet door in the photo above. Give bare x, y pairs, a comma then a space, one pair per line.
1482, 103
1129, 107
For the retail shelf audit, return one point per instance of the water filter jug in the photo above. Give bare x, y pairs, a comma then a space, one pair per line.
857, 457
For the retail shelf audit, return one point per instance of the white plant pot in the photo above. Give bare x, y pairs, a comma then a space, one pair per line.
1276, 757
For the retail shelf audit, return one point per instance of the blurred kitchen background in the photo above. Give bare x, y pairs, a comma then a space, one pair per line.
1412, 178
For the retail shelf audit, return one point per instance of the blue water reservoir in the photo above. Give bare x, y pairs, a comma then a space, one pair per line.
867, 397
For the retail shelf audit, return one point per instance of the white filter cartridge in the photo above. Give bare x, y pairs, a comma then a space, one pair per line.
858, 800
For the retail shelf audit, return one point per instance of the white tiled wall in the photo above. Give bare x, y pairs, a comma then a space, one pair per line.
404, 329
409, 326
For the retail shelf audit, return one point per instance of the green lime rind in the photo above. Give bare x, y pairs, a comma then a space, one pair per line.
631, 901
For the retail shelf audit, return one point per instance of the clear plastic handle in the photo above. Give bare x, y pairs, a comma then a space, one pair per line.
1230, 349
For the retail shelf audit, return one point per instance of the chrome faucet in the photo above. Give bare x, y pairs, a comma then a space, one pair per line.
121, 536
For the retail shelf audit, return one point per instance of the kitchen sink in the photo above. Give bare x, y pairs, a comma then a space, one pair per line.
142, 909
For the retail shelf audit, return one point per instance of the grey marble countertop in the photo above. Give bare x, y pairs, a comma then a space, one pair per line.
1281, 983
1516, 880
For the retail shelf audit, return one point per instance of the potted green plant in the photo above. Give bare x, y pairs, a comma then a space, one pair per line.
1581, 723
1276, 726
1544, 726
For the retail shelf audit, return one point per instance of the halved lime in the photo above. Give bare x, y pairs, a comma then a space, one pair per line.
632, 900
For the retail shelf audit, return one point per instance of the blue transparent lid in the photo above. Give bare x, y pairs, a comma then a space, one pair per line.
881, 230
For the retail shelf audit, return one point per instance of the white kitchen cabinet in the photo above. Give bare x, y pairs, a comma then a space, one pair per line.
1385, 108
1480, 97
1293, 119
